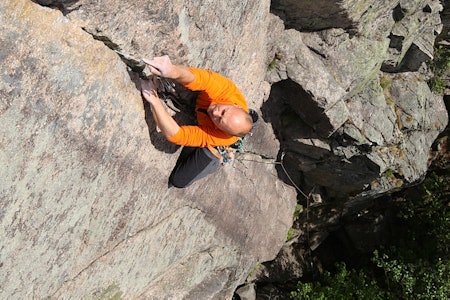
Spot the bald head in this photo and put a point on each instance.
(231, 119)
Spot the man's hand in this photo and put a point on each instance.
(149, 90)
(162, 66)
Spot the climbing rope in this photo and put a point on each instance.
(307, 198)
(289, 177)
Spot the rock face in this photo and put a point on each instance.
(85, 209)
(373, 137)
(359, 118)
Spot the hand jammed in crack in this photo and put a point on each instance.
(162, 66)
(149, 90)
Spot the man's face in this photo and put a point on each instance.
(225, 117)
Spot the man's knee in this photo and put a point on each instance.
(174, 181)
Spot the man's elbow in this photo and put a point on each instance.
(173, 137)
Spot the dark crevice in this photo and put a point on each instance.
(398, 13)
(317, 52)
(299, 123)
(411, 62)
(309, 17)
(427, 9)
(65, 6)
(304, 105)
(396, 42)
(135, 65)
(105, 40)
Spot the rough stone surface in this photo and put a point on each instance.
(358, 124)
(85, 208)
(417, 23)
(206, 34)
(346, 114)
(377, 53)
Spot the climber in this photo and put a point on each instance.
(221, 112)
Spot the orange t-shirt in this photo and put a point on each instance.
(214, 88)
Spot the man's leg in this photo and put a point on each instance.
(192, 165)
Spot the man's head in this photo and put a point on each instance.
(231, 119)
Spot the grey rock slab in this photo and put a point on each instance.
(85, 208)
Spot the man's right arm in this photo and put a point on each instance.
(165, 122)
(162, 66)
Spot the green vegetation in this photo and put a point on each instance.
(298, 210)
(290, 234)
(440, 66)
(255, 270)
(389, 173)
(437, 85)
(112, 292)
(415, 266)
(274, 63)
(385, 82)
(345, 284)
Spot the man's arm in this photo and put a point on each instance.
(162, 66)
(165, 122)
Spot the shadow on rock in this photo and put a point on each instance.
(183, 114)
(309, 158)
(287, 126)
(312, 16)
(65, 6)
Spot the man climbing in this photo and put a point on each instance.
(222, 117)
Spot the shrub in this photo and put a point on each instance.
(345, 284)
(440, 66)
(415, 266)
